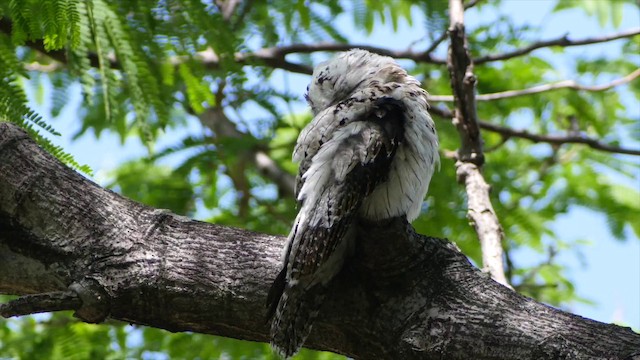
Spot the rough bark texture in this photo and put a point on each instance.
(403, 296)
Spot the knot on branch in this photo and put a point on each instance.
(466, 170)
(95, 303)
(469, 78)
(457, 30)
(432, 332)
(468, 156)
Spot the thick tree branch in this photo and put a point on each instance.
(565, 84)
(470, 155)
(402, 295)
(562, 41)
(574, 138)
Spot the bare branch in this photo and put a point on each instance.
(558, 139)
(563, 41)
(470, 155)
(551, 139)
(445, 34)
(275, 57)
(282, 51)
(565, 84)
(436, 43)
(285, 181)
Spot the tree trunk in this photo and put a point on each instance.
(402, 296)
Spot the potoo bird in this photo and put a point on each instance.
(369, 152)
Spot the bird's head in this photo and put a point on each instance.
(334, 80)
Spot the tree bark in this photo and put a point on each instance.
(402, 295)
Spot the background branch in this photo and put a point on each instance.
(562, 41)
(565, 84)
(558, 139)
(275, 57)
(551, 139)
(217, 121)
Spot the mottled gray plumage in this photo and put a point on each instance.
(369, 152)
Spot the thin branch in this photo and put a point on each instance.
(274, 57)
(470, 155)
(436, 43)
(565, 84)
(558, 139)
(573, 138)
(282, 51)
(563, 41)
(39, 303)
(443, 36)
(285, 181)
(44, 68)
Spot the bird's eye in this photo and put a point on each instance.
(306, 95)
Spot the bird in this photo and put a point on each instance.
(368, 153)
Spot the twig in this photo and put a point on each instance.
(39, 303)
(445, 33)
(565, 84)
(563, 41)
(471, 158)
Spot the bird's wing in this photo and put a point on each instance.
(343, 170)
(327, 124)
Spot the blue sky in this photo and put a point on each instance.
(610, 275)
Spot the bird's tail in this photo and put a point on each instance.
(291, 324)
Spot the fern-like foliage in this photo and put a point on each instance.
(96, 45)
(55, 26)
(14, 108)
